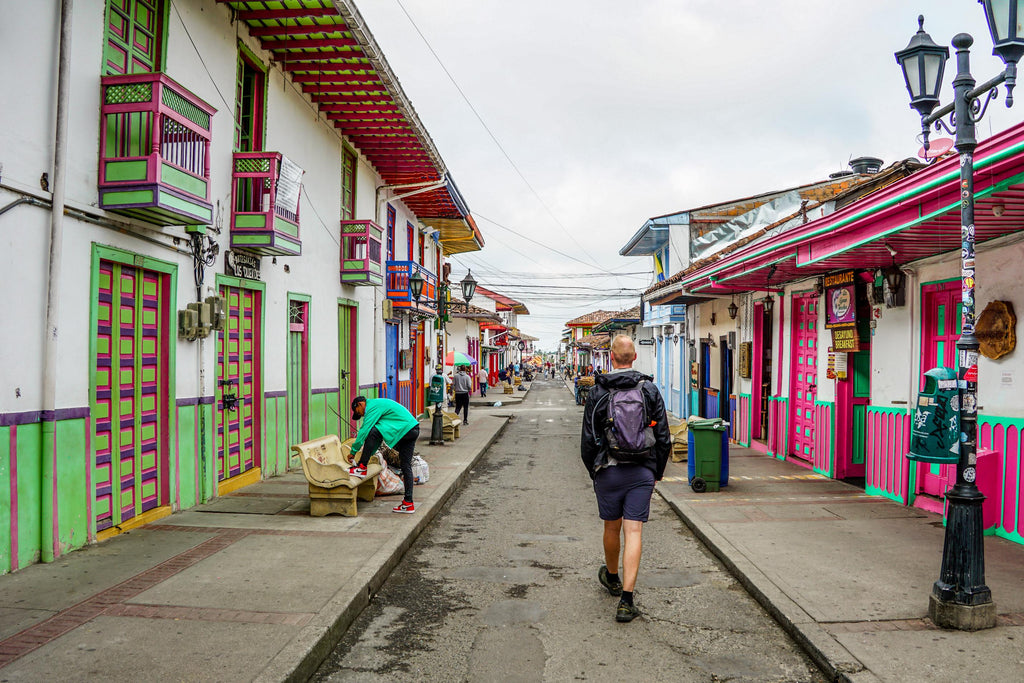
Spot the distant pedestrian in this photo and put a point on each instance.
(482, 378)
(625, 446)
(389, 422)
(462, 385)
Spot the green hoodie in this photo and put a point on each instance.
(390, 418)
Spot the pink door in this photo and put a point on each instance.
(803, 376)
(941, 329)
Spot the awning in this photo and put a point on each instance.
(327, 51)
(912, 219)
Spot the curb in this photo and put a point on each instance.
(827, 653)
(300, 658)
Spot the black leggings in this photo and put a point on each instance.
(462, 403)
(406, 447)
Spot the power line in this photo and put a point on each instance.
(493, 137)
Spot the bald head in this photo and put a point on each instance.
(623, 352)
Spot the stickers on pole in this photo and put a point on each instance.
(972, 374)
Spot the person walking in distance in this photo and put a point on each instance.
(462, 384)
(389, 422)
(625, 446)
(482, 378)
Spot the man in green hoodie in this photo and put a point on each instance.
(389, 422)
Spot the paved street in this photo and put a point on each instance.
(502, 586)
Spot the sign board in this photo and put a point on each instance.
(289, 183)
(744, 359)
(845, 339)
(242, 264)
(646, 342)
(840, 300)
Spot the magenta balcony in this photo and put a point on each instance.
(398, 273)
(264, 208)
(154, 150)
(360, 253)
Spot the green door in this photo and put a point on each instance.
(134, 36)
(239, 399)
(298, 372)
(130, 371)
(347, 382)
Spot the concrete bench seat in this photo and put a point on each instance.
(450, 421)
(325, 462)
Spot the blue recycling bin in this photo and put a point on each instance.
(708, 453)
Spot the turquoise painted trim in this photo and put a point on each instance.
(750, 419)
(831, 442)
(1017, 422)
(122, 256)
(871, 490)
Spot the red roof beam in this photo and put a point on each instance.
(296, 30)
(270, 14)
(359, 108)
(354, 64)
(327, 98)
(299, 43)
(336, 78)
(397, 116)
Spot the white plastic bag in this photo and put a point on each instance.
(420, 470)
(388, 482)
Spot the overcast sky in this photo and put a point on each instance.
(618, 111)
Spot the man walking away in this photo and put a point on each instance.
(625, 445)
(389, 422)
(462, 385)
(482, 378)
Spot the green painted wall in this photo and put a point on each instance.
(275, 436)
(5, 498)
(188, 453)
(72, 493)
(29, 476)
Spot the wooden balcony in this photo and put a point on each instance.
(264, 209)
(154, 150)
(360, 253)
(398, 273)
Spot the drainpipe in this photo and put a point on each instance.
(48, 454)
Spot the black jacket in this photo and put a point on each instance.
(593, 448)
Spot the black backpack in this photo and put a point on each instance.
(628, 430)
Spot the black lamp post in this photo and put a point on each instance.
(960, 598)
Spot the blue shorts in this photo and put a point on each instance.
(624, 492)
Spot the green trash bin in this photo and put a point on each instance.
(706, 439)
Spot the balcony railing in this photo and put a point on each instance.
(264, 216)
(398, 273)
(360, 253)
(154, 150)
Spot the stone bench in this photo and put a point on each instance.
(325, 462)
(450, 421)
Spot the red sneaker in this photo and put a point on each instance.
(405, 507)
(357, 471)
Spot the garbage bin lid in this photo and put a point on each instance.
(704, 422)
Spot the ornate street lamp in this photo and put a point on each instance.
(416, 285)
(468, 285)
(733, 310)
(960, 598)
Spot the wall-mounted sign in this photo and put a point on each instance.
(243, 265)
(744, 359)
(646, 342)
(840, 300)
(845, 339)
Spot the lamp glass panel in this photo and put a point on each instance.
(912, 73)
(932, 74)
(999, 19)
(416, 285)
(1019, 24)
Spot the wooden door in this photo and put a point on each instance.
(132, 393)
(298, 371)
(941, 317)
(347, 381)
(134, 36)
(803, 376)
(239, 397)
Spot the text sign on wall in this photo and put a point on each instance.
(840, 300)
(845, 339)
(241, 264)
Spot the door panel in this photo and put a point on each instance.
(942, 308)
(131, 376)
(134, 32)
(803, 376)
(347, 381)
(391, 360)
(298, 372)
(239, 381)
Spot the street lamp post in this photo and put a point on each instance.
(960, 598)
